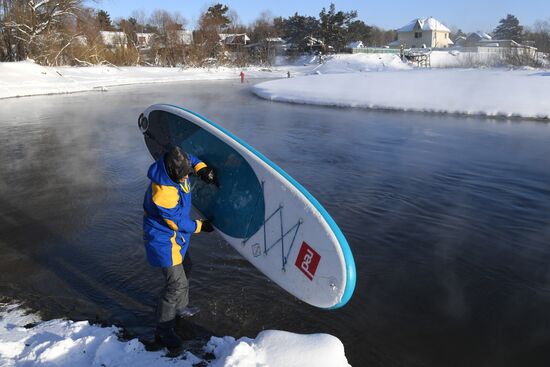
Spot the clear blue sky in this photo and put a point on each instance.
(469, 15)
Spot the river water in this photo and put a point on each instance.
(448, 219)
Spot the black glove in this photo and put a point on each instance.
(207, 175)
(206, 226)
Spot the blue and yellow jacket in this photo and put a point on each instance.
(167, 226)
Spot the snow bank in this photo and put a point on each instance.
(490, 92)
(25, 340)
(26, 78)
(455, 58)
(350, 63)
(345, 63)
(358, 80)
(278, 348)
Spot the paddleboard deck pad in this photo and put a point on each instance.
(268, 217)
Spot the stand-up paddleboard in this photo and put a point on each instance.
(260, 210)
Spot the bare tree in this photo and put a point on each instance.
(539, 35)
(37, 25)
(380, 37)
(139, 16)
(170, 47)
(262, 33)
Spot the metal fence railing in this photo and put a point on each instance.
(374, 50)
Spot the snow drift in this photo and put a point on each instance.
(27, 341)
(489, 92)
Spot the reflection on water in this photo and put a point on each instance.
(448, 219)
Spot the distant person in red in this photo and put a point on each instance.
(242, 76)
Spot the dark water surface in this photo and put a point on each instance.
(448, 219)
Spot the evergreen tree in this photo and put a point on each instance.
(216, 17)
(334, 26)
(459, 33)
(104, 20)
(211, 24)
(297, 27)
(358, 31)
(509, 29)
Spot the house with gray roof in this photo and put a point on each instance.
(476, 37)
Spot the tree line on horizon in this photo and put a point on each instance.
(65, 32)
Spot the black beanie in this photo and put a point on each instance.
(177, 164)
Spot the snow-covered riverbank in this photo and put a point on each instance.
(486, 92)
(343, 81)
(25, 340)
(18, 79)
(358, 80)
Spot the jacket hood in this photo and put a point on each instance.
(158, 174)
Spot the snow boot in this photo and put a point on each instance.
(166, 336)
(187, 312)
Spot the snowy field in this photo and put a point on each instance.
(27, 341)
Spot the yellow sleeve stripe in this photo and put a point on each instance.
(199, 226)
(199, 166)
(165, 196)
(171, 224)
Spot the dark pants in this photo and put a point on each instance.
(175, 294)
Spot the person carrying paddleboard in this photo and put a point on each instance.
(167, 229)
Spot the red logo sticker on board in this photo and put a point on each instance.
(307, 260)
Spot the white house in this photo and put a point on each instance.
(484, 43)
(423, 33)
(475, 37)
(114, 39)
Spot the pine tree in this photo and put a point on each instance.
(297, 27)
(509, 29)
(334, 26)
(459, 33)
(358, 31)
(207, 37)
(216, 16)
(104, 20)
